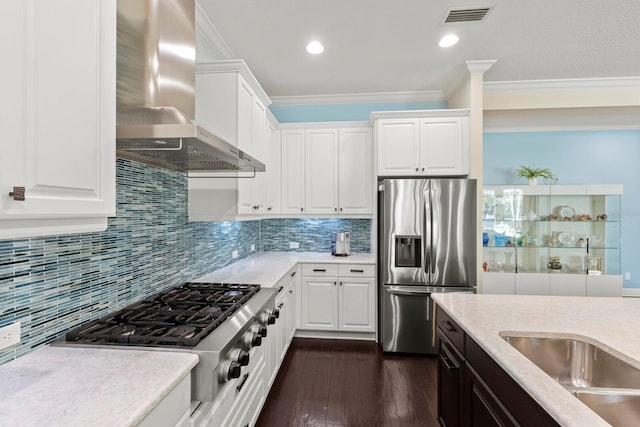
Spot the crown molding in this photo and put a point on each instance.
(360, 98)
(562, 119)
(210, 35)
(480, 66)
(559, 84)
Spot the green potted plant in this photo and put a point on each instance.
(532, 174)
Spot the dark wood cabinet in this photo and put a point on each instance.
(473, 390)
(450, 384)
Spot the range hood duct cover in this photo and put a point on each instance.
(155, 92)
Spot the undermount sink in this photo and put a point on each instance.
(602, 381)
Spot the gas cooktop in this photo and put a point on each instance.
(181, 316)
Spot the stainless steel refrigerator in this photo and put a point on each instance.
(426, 244)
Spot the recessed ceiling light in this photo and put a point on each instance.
(315, 47)
(448, 40)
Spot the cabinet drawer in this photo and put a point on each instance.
(357, 270)
(320, 270)
(450, 329)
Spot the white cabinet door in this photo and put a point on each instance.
(355, 176)
(321, 175)
(58, 116)
(444, 146)
(244, 120)
(499, 283)
(273, 170)
(568, 284)
(319, 299)
(356, 304)
(293, 158)
(398, 146)
(532, 284)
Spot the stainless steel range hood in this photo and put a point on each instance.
(156, 92)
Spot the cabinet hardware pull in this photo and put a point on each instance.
(334, 283)
(335, 209)
(447, 363)
(340, 283)
(422, 169)
(449, 326)
(18, 194)
(319, 270)
(301, 209)
(280, 289)
(290, 291)
(293, 274)
(416, 169)
(357, 271)
(244, 380)
(340, 209)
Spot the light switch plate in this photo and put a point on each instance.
(234, 254)
(253, 248)
(9, 335)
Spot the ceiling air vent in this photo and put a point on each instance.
(456, 16)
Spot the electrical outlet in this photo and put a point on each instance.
(294, 245)
(253, 248)
(9, 335)
(627, 275)
(234, 254)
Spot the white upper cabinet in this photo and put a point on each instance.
(431, 143)
(335, 175)
(231, 104)
(355, 171)
(293, 159)
(398, 146)
(58, 116)
(273, 171)
(321, 189)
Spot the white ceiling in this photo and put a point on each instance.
(374, 46)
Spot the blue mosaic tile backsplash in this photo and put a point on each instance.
(53, 284)
(314, 234)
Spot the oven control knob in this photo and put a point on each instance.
(256, 340)
(233, 371)
(276, 313)
(252, 338)
(229, 370)
(272, 319)
(240, 356)
(262, 331)
(243, 357)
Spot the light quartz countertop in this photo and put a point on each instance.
(267, 268)
(63, 386)
(607, 322)
(77, 386)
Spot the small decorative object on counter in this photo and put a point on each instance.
(601, 217)
(532, 216)
(554, 263)
(485, 240)
(531, 173)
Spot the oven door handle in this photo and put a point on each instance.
(242, 383)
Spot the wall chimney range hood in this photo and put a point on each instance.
(156, 92)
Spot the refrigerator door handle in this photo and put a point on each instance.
(417, 292)
(427, 230)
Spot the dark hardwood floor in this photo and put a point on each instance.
(351, 383)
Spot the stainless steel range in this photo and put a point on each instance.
(218, 322)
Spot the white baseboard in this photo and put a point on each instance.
(631, 292)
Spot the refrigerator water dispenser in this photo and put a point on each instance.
(408, 251)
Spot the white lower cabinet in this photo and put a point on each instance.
(173, 409)
(281, 333)
(552, 284)
(338, 297)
